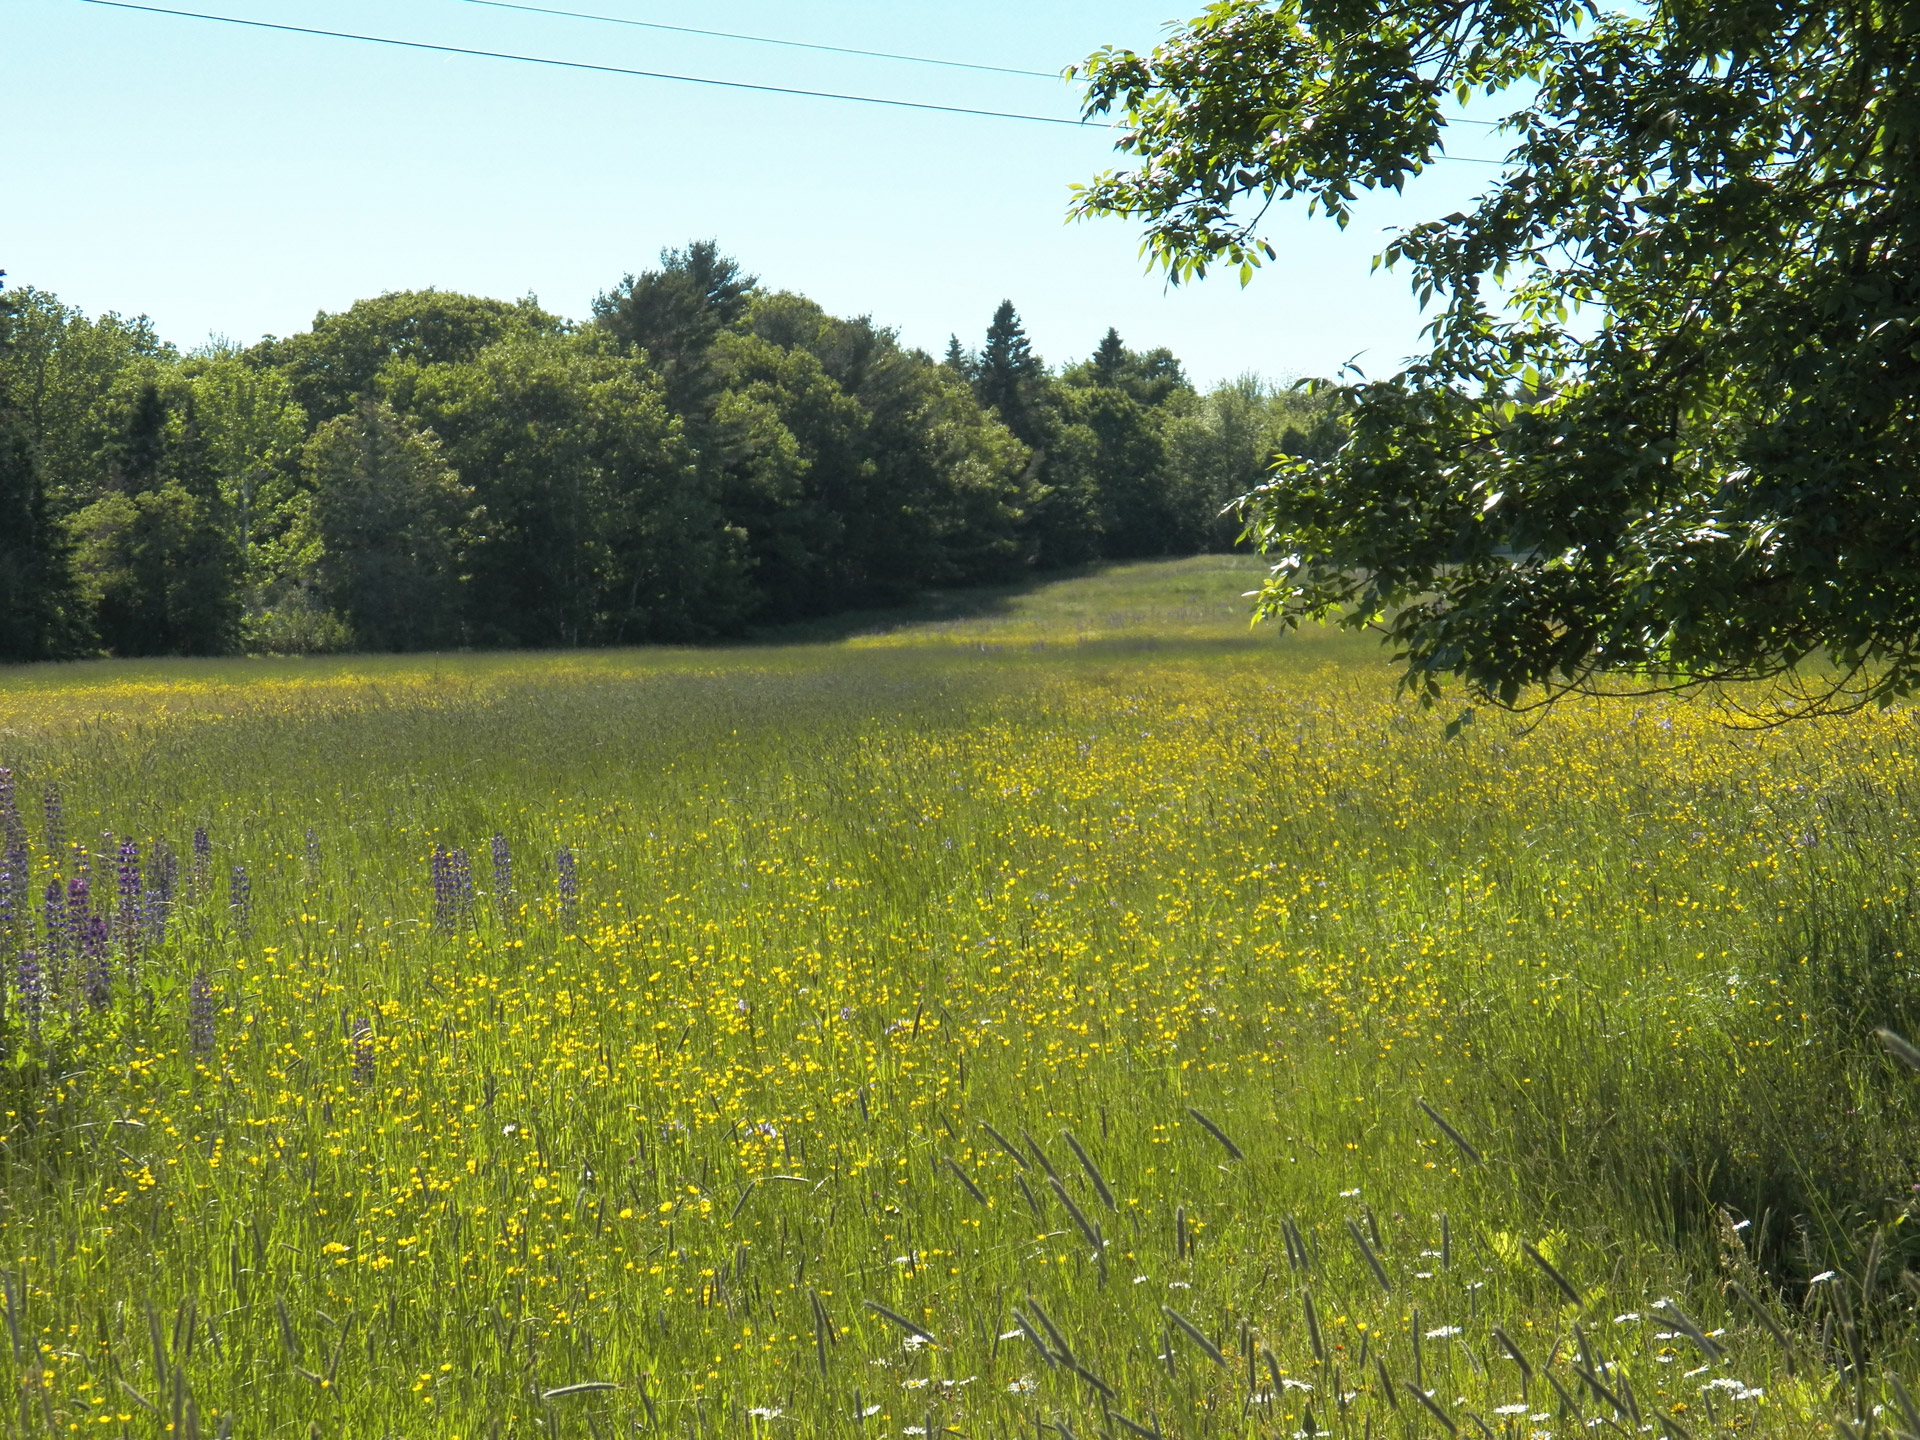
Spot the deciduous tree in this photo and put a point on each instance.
(1666, 430)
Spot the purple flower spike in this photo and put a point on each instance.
(53, 915)
(96, 978)
(440, 870)
(200, 878)
(32, 981)
(502, 867)
(460, 871)
(240, 901)
(127, 916)
(200, 1014)
(55, 814)
(569, 888)
(16, 862)
(361, 1050)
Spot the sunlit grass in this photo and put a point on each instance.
(1092, 861)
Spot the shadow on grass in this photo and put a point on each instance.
(932, 607)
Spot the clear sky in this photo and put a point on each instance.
(232, 182)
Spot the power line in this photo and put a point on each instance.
(922, 105)
(763, 39)
(596, 69)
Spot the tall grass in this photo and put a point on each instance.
(1080, 1013)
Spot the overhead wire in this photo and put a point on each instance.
(925, 105)
(600, 69)
(763, 39)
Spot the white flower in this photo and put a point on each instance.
(766, 1412)
(1139, 1279)
(1178, 1285)
(1009, 1334)
(914, 1342)
(1350, 1194)
(1445, 1332)
(1626, 1319)
(1020, 1386)
(869, 1412)
(1823, 1275)
(914, 1384)
(1288, 1383)
(914, 1430)
(1510, 1409)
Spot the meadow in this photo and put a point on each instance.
(1060, 1009)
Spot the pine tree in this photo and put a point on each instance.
(675, 314)
(1009, 373)
(1110, 360)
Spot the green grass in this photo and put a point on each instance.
(1090, 859)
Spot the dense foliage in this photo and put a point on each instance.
(430, 469)
(1666, 430)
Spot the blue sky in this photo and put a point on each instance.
(233, 182)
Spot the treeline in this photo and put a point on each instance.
(431, 469)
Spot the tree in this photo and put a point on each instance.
(958, 359)
(389, 515)
(253, 430)
(1223, 447)
(155, 554)
(331, 366)
(1008, 375)
(598, 529)
(899, 478)
(61, 371)
(675, 313)
(1665, 431)
(38, 619)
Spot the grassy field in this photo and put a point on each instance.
(1039, 1012)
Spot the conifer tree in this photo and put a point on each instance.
(1009, 373)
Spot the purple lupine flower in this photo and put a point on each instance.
(96, 981)
(8, 913)
(79, 911)
(361, 1050)
(32, 982)
(502, 867)
(200, 877)
(158, 901)
(460, 874)
(240, 901)
(127, 916)
(439, 868)
(19, 864)
(55, 839)
(569, 887)
(200, 1014)
(15, 861)
(53, 915)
